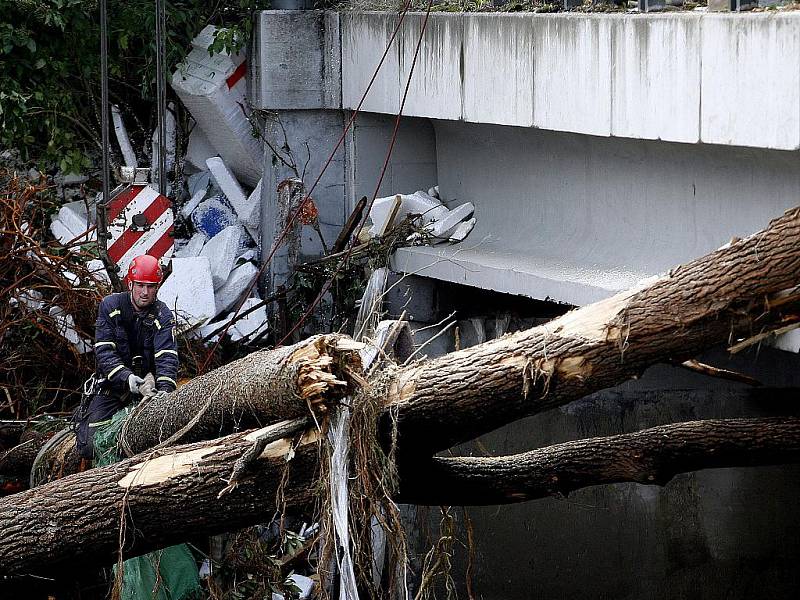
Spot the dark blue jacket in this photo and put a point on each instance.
(127, 341)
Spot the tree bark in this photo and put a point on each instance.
(166, 497)
(261, 388)
(734, 292)
(652, 456)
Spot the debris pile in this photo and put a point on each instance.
(438, 223)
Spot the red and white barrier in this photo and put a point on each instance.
(140, 221)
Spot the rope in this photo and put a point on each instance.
(161, 97)
(301, 206)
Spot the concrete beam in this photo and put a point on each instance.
(730, 79)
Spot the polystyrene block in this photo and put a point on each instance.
(213, 215)
(238, 281)
(193, 247)
(199, 149)
(251, 325)
(189, 291)
(221, 251)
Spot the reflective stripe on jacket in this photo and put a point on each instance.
(124, 336)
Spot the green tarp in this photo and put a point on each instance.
(168, 574)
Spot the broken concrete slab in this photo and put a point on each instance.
(237, 283)
(189, 292)
(221, 251)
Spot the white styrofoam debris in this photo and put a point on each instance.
(128, 155)
(76, 217)
(226, 181)
(209, 328)
(418, 203)
(434, 192)
(205, 38)
(98, 271)
(213, 215)
(443, 227)
(252, 325)
(221, 251)
(238, 281)
(193, 247)
(461, 231)
(198, 181)
(188, 291)
(65, 326)
(170, 128)
(30, 298)
(71, 277)
(249, 212)
(250, 254)
(61, 232)
(199, 149)
(193, 202)
(789, 341)
(213, 89)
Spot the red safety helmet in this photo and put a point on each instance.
(145, 269)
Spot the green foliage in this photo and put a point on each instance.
(50, 67)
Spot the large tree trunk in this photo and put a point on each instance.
(736, 291)
(652, 456)
(165, 498)
(733, 292)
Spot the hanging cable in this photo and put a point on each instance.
(101, 215)
(161, 97)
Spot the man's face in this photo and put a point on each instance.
(142, 294)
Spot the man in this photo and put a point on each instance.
(134, 335)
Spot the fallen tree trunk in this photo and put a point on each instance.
(652, 456)
(737, 291)
(733, 292)
(261, 388)
(165, 498)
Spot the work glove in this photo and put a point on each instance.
(148, 388)
(134, 381)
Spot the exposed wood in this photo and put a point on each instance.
(173, 494)
(727, 294)
(261, 388)
(704, 369)
(350, 226)
(652, 456)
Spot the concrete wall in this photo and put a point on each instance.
(684, 77)
(412, 165)
(576, 218)
(311, 136)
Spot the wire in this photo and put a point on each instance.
(392, 141)
(301, 206)
(161, 97)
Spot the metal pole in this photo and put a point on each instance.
(100, 207)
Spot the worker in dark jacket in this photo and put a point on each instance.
(134, 335)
